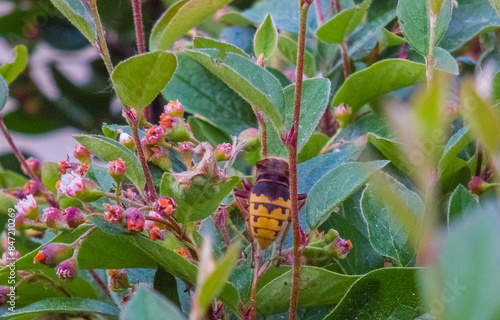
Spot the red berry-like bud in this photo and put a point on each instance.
(165, 206)
(54, 253)
(117, 169)
(135, 219)
(74, 217)
(223, 152)
(34, 165)
(82, 154)
(477, 185)
(68, 269)
(28, 207)
(118, 280)
(154, 135)
(343, 115)
(53, 218)
(113, 214)
(127, 140)
(31, 187)
(174, 109)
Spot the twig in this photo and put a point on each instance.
(100, 283)
(479, 163)
(139, 29)
(43, 189)
(125, 200)
(101, 37)
(429, 59)
(253, 291)
(344, 52)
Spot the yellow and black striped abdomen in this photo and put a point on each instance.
(269, 210)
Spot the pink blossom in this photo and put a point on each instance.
(28, 207)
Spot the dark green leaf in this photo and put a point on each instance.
(148, 305)
(166, 284)
(265, 38)
(79, 16)
(288, 50)
(10, 71)
(138, 80)
(461, 203)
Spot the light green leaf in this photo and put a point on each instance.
(200, 199)
(50, 175)
(461, 203)
(108, 150)
(390, 149)
(148, 305)
(342, 24)
(10, 71)
(461, 139)
(414, 22)
(179, 19)
(496, 5)
(288, 50)
(384, 294)
(235, 19)
(444, 61)
(138, 80)
(389, 39)
(4, 92)
(224, 48)
(266, 38)
(335, 187)
(436, 5)
(256, 85)
(313, 147)
(378, 79)
(76, 12)
(318, 287)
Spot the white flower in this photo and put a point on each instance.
(71, 184)
(28, 207)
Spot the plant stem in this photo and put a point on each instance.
(43, 189)
(101, 37)
(253, 292)
(124, 200)
(261, 120)
(292, 154)
(344, 52)
(100, 283)
(139, 29)
(429, 59)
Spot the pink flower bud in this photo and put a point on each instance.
(149, 225)
(251, 138)
(154, 135)
(67, 167)
(34, 165)
(165, 121)
(53, 218)
(127, 140)
(113, 214)
(68, 269)
(165, 206)
(31, 187)
(117, 280)
(343, 115)
(74, 217)
(156, 233)
(186, 152)
(223, 152)
(82, 154)
(174, 109)
(54, 253)
(28, 207)
(4, 292)
(135, 219)
(477, 185)
(21, 223)
(117, 169)
(341, 247)
(73, 185)
(161, 158)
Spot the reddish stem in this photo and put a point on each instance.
(253, 292)
(100, 283)
(43, 189)
(139, 29)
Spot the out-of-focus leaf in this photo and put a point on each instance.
(378, 79)
(50, 175)
(335, 187)
(138, 80)
(148, 305)
(108, 150)
(235, 19)
(266, 38)
(342, 24)
(179, 19)
(457, 143)
(224, 48)
(4, 92)
(79, 16)
(461, 203)
(288, 50)
(10, 71)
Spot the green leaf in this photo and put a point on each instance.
(203, 93)
(199, 199)
(216, 281)
(384, 294)
(64, 305)
(10, 71)
(436, 5)
(235, 19)
(224, 48)
(101, 176)
(50, 175)
(108, 150)
(313, 147)
(342, 24)
(389, 39)
(148, 305)
(444, 61)
(461, 139)
(166, 284)
(378, 79)
(266, 38)
(204, 131)
(179, 19)
(496, 5)
(414, 22)
(4, 92)
(78, 15)
(386, 233)
(256, 85)
(138, 80)
(315, 95)
(335, 187)
(288, 50)
(318, 287)
(390, 149)
(461, 203)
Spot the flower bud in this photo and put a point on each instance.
(118, 280)
(127, 140)
(251, 138)
(183, 253)
(165, 206)
(67, 167)
(174, 109)
(34, 165)
(186, 152)
(343, 115)
(31, 187)
(21, 223)
(28, 207)
(156, 233)
(35, 234)
(82, 154)
(223, 152)
(68, 269)
(341, 247)
(54, 253)
(165, 121)
(74, 217)
(149, 225)
(154, 135)
(161, 158)
(53, 218)
(477, 185)
(113, 214)
(135, 219)
(73, 185)
(117, 169)
(4, 292)
(179, 132)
